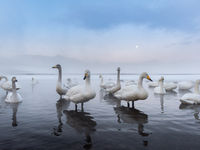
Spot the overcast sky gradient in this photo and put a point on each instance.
(135, 32)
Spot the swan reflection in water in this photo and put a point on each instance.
(14, 107)
(161, 96)
(133, 116)
(111, 100)
(61, 105)
(196, 109)
(82, 122)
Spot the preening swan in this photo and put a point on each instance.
(133, 93)
(13, 97)
(59, 88)
(160, 89)
(192, 98)
(185, 85)
(81, 93)
(7, 85)
(117, 86)
(105, 85)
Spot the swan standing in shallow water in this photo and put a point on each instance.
(59, 88)
(160, 89)
(105, 85)
(133, 93)
(192, 98)
(80, 93)
(13, 97)
(7, 85)
(185, 85)
(117, 86)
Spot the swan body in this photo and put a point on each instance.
(192, 98)
(160, 89)
(7, 85)
(170, 86)
(153, 84)
(13, 97)
(81, 93)
(133, 92)
(59, 88)
(105, 85)
(116, 87)
(185, 85)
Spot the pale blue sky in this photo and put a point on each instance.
(116, 31)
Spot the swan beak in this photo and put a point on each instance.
(84, 77)
(54, 67)
(15, 80)
(148, 77)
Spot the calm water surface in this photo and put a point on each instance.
(42, 121)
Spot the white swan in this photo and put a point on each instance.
(133, 93)
(117, 86)
(153, 84)
(70, 83)
(192, 98)
(13, 97)
(7, 85)
(185, 85)
(34, 81)
(59, 88)
(80, 93)
(160, 89)
(170, 86)
(105, 85)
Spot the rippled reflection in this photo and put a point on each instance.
(61, 105)
(196, 109)
(82, 122)
(111, 100)
(133, 116)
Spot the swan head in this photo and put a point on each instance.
(14, 79)
(145, 75)
(58, 66)
(161, 78)
(87, 74)
(197, 81)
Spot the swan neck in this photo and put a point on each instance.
(118, 77)
(196, 88)
(87, 81)
(59, 75)
(4, 77)
(13, 87)
(140, 82)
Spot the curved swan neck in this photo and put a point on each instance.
(196, 88)
(4, 77)
(13, 87)
(140, 81)
(161, 85)
(118, 77)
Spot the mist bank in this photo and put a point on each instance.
(37, 64)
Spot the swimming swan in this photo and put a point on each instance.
(105, 85)
(13, 97)
(117, 86)
(133, 93)
(59, 88)
(7, 85)
(80, 93)
(160, 89)
(192, 98)
(185, 85)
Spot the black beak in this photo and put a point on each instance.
(150, 80)
(15, 80)
(84, 78)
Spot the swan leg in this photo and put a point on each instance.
(81, 106)
(133, 104)
(128, 105)
(75, 107)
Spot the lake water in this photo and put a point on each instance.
(42, 121)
